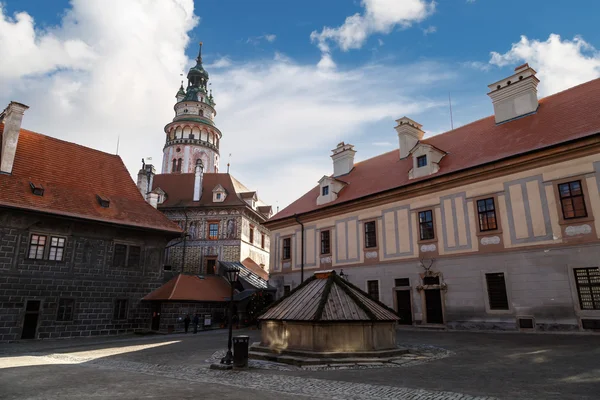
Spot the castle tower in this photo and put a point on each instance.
(192, 135)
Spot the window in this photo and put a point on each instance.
(426, 225)
(179, 160)
(325, 242)
(37, 245)
(487, 215)
(174, 167)
(571, 200)
(496, 287)
(588, 287)
(57, 249)
(211, 263)
(66, 308)
(286, 289)
(287, 248)
(402, 282)
(120, 311)
(370, 234)
(373, 289)
(251, 234)
(431, 280)
(119, 255)
(133, 258)
(421, 161)
(218, 196)
(325, 190)
(213, 231)
(37, 190)
(262, 240)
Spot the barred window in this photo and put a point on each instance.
(588, 287)
(325, 242)
(370, 234)
(287, 248)
(57, 249)
(66, 309)
(120, 311)
(37, 246)
(426, 225)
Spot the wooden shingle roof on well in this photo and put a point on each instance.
(562, 117)
(328, 297)
(72, 176)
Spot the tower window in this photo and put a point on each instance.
(174, 168)
(201, 113)
(179, 160)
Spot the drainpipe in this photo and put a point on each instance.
(301, 250)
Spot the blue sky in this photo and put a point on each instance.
(110, 69)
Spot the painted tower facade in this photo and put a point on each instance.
(192, 135)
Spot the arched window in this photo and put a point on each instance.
(201, 112)
(174, 168)
(179, 165)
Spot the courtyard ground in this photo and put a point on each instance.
(481, 365)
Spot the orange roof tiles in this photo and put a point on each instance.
(565, 116)
(192, 288)
(72, 176)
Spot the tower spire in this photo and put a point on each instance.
(199, 59)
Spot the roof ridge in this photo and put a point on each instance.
(175, 286)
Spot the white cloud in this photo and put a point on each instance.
(379, 16)
(279, 119)
(255, 40)
(382, 144)
(429, 30)
(380, 42)
(477, 65)
(560, 63)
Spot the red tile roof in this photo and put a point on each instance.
(192, 288)
(254, 267)
(568, 115)
(72, 176)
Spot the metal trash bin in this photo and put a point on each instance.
(240, 351)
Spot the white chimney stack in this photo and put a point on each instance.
(343, 159)
(409, 134)
(199, 171)
(145, 179)
(516, 95)
(12, 117)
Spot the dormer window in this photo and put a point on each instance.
(218, 196)
(426, 160)
(37, 190)
(421, 161)
(328, 189)
(104, 202)
(325, 190)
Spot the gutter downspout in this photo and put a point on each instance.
(301, 250)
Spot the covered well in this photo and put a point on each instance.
(328, 314)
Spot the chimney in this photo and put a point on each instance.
(516, 95)
(409, 134)
(343, 159)
(12, 117)
(199, 171)
(153, 199)
(145, 179)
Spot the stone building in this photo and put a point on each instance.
(79, 246)
(491, 225)
(223, 219)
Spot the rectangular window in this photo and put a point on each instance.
(588, 287)
(487, 214)
(133, 258)
(402, 282)
(119, 255)
(496, 287)
(251, 235)
(325, 190)
(286, 289)
(325, 242)
(571, 200)
(218, 196)
(287, 248)
(262, 240)
(37, 246)
(120, 311)
(66, 308)
(370, 234)
(373, 289)
(57, 249)
(421, 161)
(213, 231)
(426, 225)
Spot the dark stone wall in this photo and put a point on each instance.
(172, 311)
(86, 275)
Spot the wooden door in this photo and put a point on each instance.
(433, 303)
(404, 307)
(32, 311)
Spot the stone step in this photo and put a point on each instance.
(308, 361)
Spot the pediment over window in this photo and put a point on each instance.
(426, 159)
(219, 194)
(328, 189)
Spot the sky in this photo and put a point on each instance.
(290, 79)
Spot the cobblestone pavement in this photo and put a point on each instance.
(477, 366)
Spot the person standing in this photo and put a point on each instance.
(196, 322)
(186, 322)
